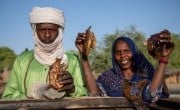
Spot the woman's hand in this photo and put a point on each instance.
(79, 41)
(166, 52)
(85, 42)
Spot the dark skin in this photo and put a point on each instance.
(47, 33)
(123, 56)
(66, 80)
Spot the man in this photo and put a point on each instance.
(30, 76)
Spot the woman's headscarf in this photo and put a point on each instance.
(47, 53)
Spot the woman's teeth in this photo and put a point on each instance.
(124, 62)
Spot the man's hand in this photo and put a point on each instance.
(66, 80)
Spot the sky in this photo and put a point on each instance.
(105, 17)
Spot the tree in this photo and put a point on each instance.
(7, 57)
(174, 61)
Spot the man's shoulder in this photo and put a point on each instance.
(71, 54)
(26, 54)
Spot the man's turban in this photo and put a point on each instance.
(47, 15)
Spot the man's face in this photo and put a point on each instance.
(47, 32)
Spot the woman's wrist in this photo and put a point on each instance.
(84, 57)
(163, 60)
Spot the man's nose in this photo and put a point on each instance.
(47, 34)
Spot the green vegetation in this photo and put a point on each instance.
(7, 57)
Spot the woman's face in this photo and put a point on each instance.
(123, 55)
(47, 32)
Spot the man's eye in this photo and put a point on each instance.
(41, 30)
(49, 30)
(53, 30)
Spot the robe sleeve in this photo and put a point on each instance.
(12, 89)
(75, 70)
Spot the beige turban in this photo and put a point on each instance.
(47, 15)
(47, 53)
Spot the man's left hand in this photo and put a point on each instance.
(66, 80)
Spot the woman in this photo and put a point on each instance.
(131, 76)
